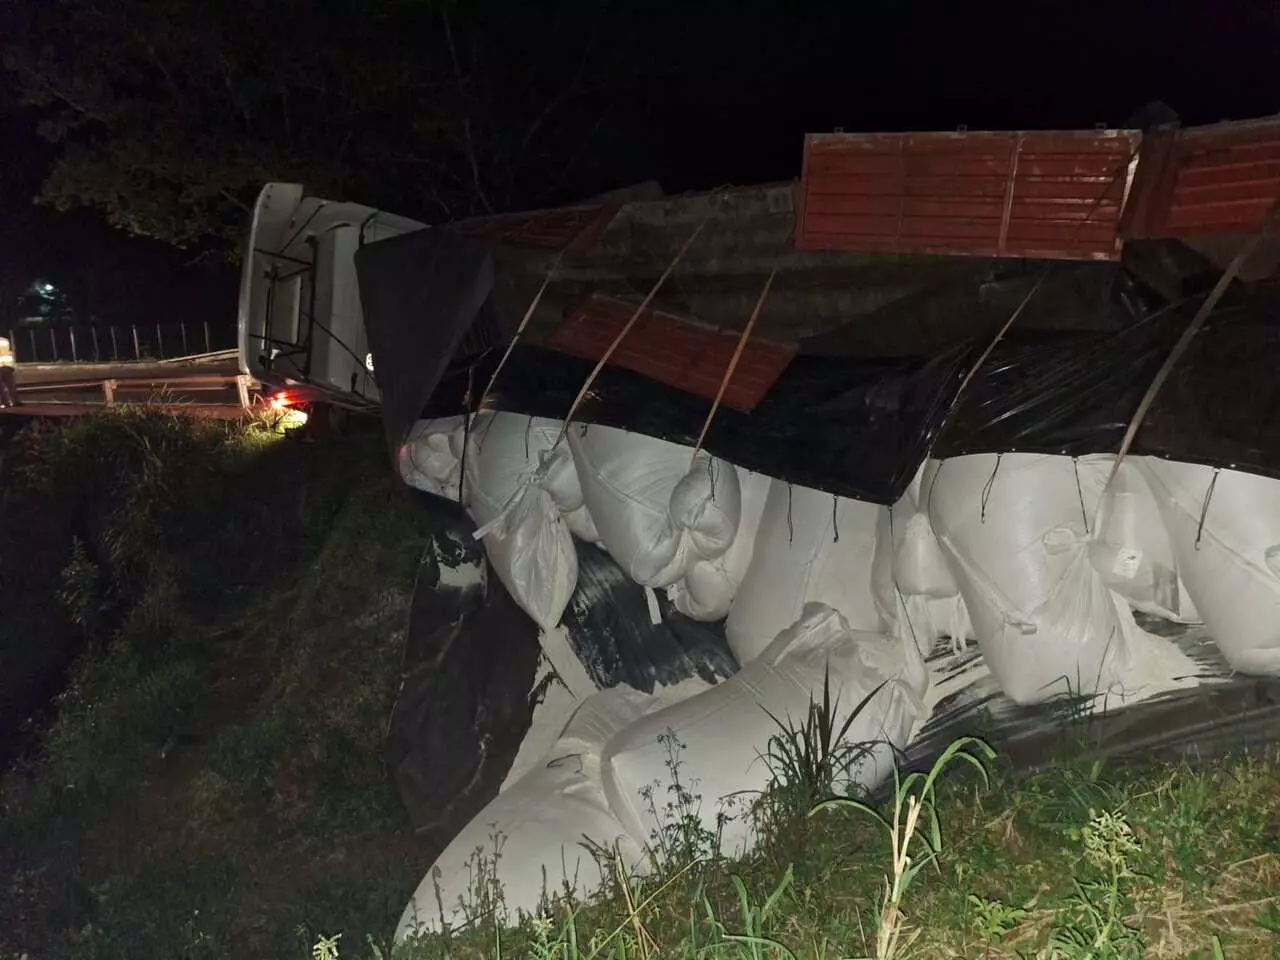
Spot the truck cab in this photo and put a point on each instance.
(301, 330)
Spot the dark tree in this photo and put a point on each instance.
(168, 115)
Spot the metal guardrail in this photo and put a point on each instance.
(135, 343)
(227, 392)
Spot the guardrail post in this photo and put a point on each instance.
(97, 357)
(35, 352)
(185, 351)
(137, 350)
(159, 342)
(242, 388)
(207, 348)
(53, 340)
(75, 357)
(109, 391)
(115, 346)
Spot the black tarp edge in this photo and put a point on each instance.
(861, 427)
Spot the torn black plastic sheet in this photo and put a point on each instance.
(857, 428)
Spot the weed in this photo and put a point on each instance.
(1269, 919)
(813, 759)
(753, 939)
(993, 919)
(913, 800)
(83, 594)
(680, 837)
(1095, 924)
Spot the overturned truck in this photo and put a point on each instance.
(701, 453)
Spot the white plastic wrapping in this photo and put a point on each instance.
(1014, 529)
(541, 822)
(1230, 564)
(707, 590)
(723, 733)
(430, 459)
(656, 513)
(813, 547)
(518, 489)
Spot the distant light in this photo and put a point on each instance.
(46, 289)
(368, 362)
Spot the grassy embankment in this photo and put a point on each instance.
(212, 783)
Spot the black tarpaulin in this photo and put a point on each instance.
(1221, 405)
(1076, 394)
(861, 427)
(419, 293)
(857, 428)
(1070, 394)
(471, 655)
(610, 630)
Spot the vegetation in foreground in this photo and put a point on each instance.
(967, 859)
(212, 785)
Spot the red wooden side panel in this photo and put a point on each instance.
(541, 229)
(1225, 179)
(673, 350)
(1030, 194)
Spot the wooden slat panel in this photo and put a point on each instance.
(1054, 194)
(673, 351)
(1220, 179)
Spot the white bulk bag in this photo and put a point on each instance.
(1129, 545)
(813, 547)
(708, 589)
(542, 822)
(656, 512)
(518, 488)
(920, 568)
(1014, 529)
(930, 603)
(1231, 565)
(513, 447)
(566, 685)
(722, 734)
(430, 459)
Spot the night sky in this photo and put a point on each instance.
(753, 78)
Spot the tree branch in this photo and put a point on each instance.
(468, 138)
(573, 89)
(228, 196)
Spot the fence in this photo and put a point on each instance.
(117, 344)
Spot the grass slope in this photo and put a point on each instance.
(212, 784)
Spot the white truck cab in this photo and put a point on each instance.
(300, 326)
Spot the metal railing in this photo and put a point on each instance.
(135, 343)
